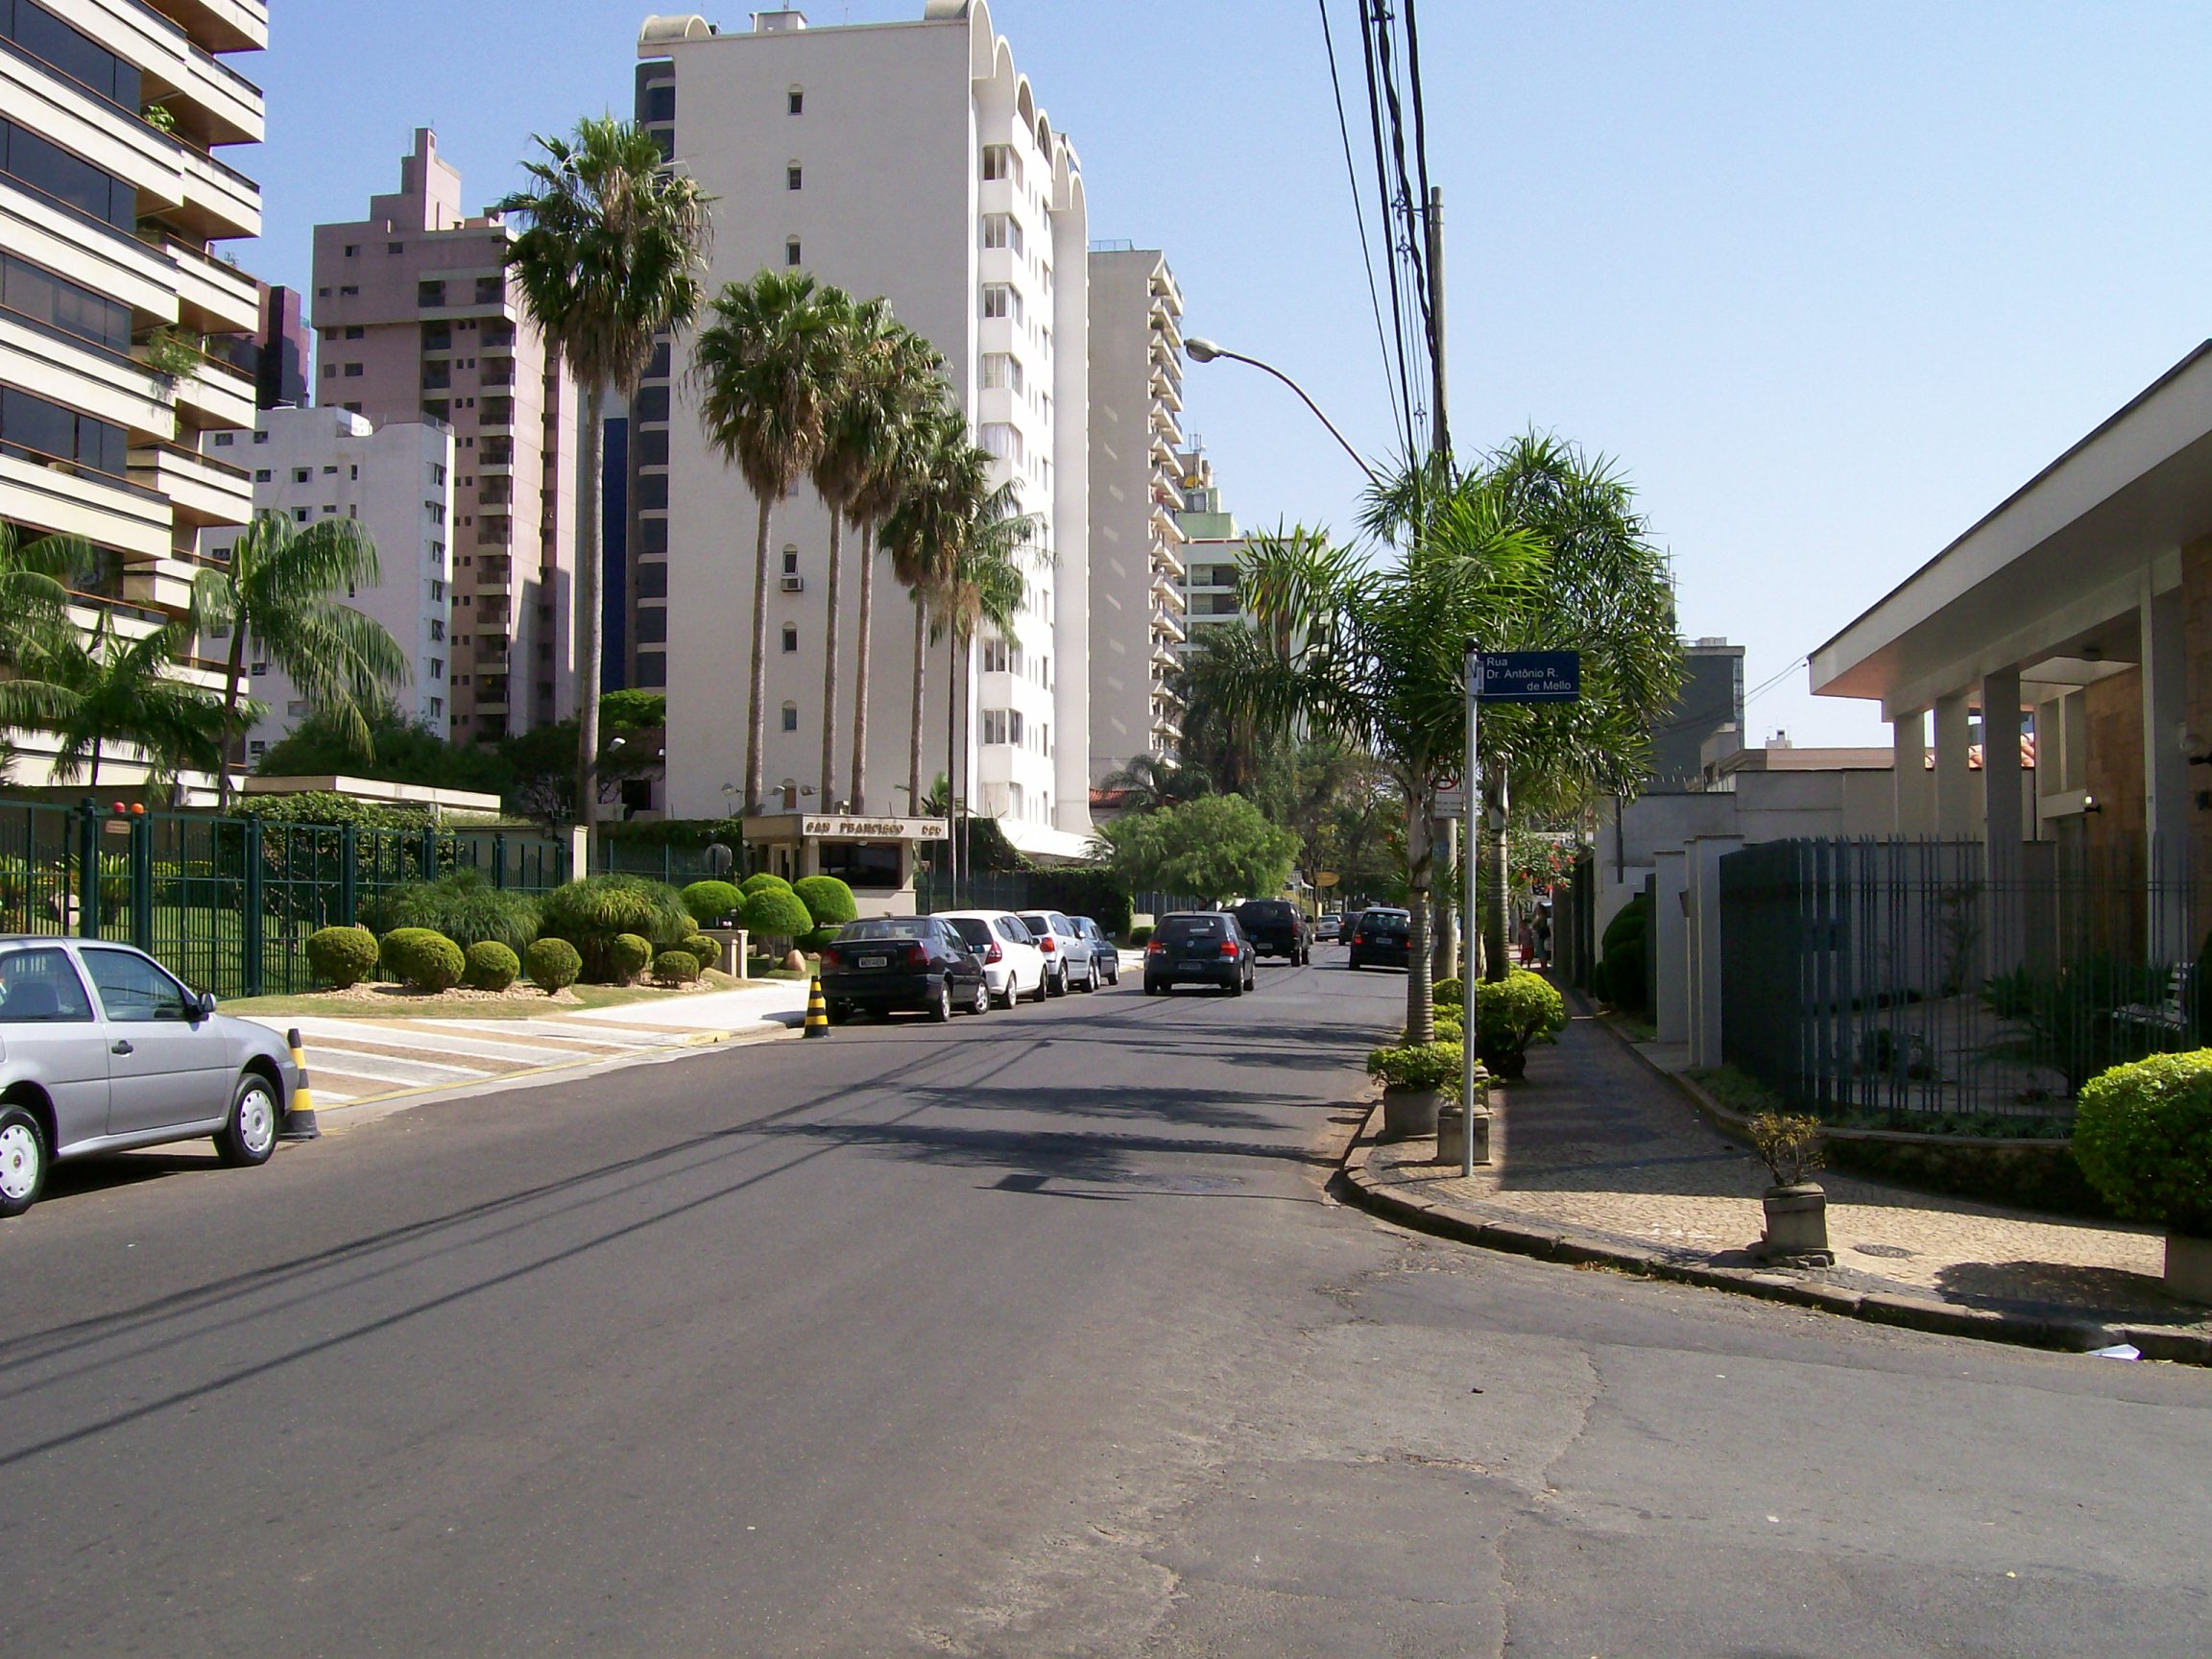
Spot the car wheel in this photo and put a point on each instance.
(1058, 985)
(1010, 996)
(982, 1002)
(22, 1160)
(941, 1010)
(1236, 985)
(251, 1133)
(836, 1013)
(1114, 975)
(1043, 987)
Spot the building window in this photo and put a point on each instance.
(300, 475)
(355, 331)
(353, 370)
(661, 100)
(1001, 371)
(1002, 301)
(653, 581)
(791, 251)
(429, 293)
(437, 628)
(394, 248)
(791, 176)
(790, 716)
(37, 292)
(261, 475)
(1000, 162)
(652, 669)
(1002, 230)
(491, 290)
(346, 290)
(1002, 441)
(790, 637)
(352, 249)
(790, 561)
(795, 101)
(653, 625)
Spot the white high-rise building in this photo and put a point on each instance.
(1137, 570)
(911, 161)
(396, 481)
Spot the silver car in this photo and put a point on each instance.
(102, 1048)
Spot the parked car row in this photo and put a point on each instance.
(965, 960)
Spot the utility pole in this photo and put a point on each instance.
(1440, 428)
(1453, 915)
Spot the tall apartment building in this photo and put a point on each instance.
(908, 160)
(396, 481)
(417, 319)
(1213, 543)
(120, 418)
(1137, 571)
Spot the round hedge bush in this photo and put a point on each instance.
(423, 961)
(343, 955)
(712, 901)
(776, 913)
(2143, 1135)
(761, 882)
(553, 964)
(704, 947)
(828, 900)
(491, 966)
(1451, 993)
(629, 956)
(675, 967)
(1512, 1013)
(591, 914)
(1140, 937)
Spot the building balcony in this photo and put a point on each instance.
(220, 25)
(215, 397)
(1163, 525)
(1164, 425)
(88, 251)
(1166, 623)
(1166, 394)
(213, 103)
(202, 491)
(1166, 561)
(48, 495)
(215, 296)
(160, 584)
(42, 360)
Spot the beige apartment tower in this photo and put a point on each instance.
(120, 420)
(417, 319)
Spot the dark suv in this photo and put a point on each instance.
(1203, 945)
(1382, 939)
(1277, 927)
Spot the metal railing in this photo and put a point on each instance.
(1928, 985)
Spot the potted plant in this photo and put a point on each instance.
(1415, 1080)
(1796, 1208)
(2143, 1136)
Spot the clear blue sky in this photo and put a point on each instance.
(1829, 282)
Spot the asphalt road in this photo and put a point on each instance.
(1037, 1335)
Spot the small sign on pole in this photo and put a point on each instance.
(1530, 676)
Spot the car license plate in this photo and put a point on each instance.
(874, 961)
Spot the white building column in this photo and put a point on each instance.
(2001, 761)
(1701, 869)
(2166, 774)
(1670, 945)
(1915, 783)
(1956, 816)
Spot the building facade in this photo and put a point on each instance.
(1137, 567)
(417, 319)
(906, 160)
(1213, 546)
(397, 482)
(122, 420)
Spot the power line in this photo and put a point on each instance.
(1359, 213)
(1369, 61)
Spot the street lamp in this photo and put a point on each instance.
(1203, 351)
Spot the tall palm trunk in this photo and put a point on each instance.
(1496, 965)
(756, 695)
(592, 647)
(862, 670)
(952, 819)
(1420, 869)
(829, 796)
(913, 729)
(233, 676)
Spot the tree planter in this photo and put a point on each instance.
(2189, 1266)
(1796, 1226)
(1410, 1113)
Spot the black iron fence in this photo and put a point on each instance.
(228, 903)
(1928, 983)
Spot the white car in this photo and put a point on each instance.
(1013, 967)
(1067, 957)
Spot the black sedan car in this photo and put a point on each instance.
(1105, 954)
(1382, 938)
(915, 964)
(1206, 945)
(1277, 927)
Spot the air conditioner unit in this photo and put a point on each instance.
(794, 584)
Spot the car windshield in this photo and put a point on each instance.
(974, 929)
(885, 927)
(1385, 922)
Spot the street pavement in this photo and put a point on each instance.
(1033, 1335)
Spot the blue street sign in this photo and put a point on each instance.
(1530, 677)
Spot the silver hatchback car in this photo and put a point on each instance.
(102, 1048)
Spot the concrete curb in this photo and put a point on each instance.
(1423, 1213)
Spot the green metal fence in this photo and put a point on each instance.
(228, 903)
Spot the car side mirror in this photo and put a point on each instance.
(205, 1008)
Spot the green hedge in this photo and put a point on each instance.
(828, 900)
(1512, 1013)
(675, 967)
(1420, 1066)
(464, 906)
(343, 955)
(591, 914)
(712, 902)
(629, 956)
(1623, 953)
(553, 964)
(2143, 1135)
(489, 966)
(423, 961)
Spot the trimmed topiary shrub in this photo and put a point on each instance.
(553, 964)
(1421, 1066)
(423, 961)
(711, 902)
(828, 900)
(1138, 937)
(675, 967)
(491, 966)
(1451, 993)
(752, 884)
(1518, 1010)
(343, 955)
(1621, 956)
(2143, 1135)
(704, 947)
(629, 956)
(591, 914)
(776, 913)
(464, 906)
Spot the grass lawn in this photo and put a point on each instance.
(525, 1003)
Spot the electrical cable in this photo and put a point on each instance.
(1382, 187)
(1358, 212)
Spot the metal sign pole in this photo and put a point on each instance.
(1471, 929)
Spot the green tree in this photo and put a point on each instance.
(611, 255)
(36, 577)
(949, 478)
(1152, 783)
(984, 585)
(1217, 847)
(109, 691)
(276, 590)
(768, 366)
(400, 750)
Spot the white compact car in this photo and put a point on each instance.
(1067, 959)
(1013, 967)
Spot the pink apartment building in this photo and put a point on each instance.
(417, 318)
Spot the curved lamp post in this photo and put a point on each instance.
(1204, 351)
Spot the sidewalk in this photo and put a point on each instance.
(1598, 1157)
(358, 1062)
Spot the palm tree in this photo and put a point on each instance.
(108, 692)
(913, 388)
(949, 481)
(610, 257)
(277, 589)
(36, 577)
(853, 439)
(767, 367)
(1152, 781)
(982, 584)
